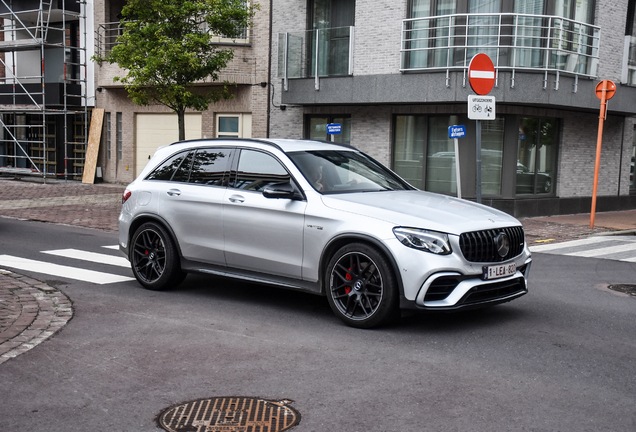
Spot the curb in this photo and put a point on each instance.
(30, 312)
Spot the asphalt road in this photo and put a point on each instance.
(561, 358)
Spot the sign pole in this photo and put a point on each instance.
(456, 132)
(457, 173)
(481, 76)
(604, 91)
(478, 153)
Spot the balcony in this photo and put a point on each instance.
(514, 42)
(107, 33)
(315, 53)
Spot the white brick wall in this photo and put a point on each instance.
(611, 17)
(378, 36)
(577, 156)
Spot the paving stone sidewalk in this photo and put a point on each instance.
(30, 313)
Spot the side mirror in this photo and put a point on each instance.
(281, 190)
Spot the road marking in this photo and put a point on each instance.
(61, 271)
(90, 256)
(605, 251)
(569, 244)
(113, 247)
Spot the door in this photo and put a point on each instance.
(262, 234)
(155, 130)
(192, 203)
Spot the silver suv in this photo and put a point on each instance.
(318, 217)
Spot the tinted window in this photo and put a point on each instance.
(209, 166)
(166, 170)
(256, 170)
(183, 172)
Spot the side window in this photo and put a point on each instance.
(166, 170)
(256, 170)
(182, 173)
(209, 166)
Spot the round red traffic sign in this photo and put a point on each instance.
(481, 74)
(606, 86)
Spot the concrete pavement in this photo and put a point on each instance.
(31, 311)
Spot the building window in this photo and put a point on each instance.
(629, 58)
(316, 128)
(119, 136)
(418, 136)
(536, 155)
(333, 20)
(556, 35)
(108, 137)
(441, 175)
(408, 154)
(234, 126)
(632, 182)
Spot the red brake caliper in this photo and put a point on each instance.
(349, 278)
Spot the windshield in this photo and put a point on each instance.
(340, 171)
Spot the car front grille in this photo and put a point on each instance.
(480, 246)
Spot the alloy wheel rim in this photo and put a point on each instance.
(149, 254)
(356, 286)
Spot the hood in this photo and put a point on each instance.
(419, 209)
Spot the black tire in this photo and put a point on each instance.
(361, 287)
(154, 258)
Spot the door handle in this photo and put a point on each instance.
(237, 199)
(174, 192)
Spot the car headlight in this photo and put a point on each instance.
(425, 240)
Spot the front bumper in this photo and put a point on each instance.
(446, 291)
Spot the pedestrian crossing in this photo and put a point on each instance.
(618, 248)
(76, 269)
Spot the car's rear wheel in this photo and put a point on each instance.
(361, 287)
(154, 258)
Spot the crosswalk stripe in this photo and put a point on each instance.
(569, 244)
(605, 251)
(90, 256)
(60, 270)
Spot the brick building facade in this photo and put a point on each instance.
(132, 132)
(406, 83)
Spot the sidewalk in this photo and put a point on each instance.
(31, 311)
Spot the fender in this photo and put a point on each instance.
(344, 238)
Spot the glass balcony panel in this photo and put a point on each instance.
(511, 40)
(333, 57)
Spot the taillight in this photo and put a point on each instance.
(125, 196)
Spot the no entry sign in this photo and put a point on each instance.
(481, 74)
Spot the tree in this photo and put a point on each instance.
(167, 47)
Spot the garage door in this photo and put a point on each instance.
(156, 130)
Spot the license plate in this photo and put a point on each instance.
(499, 271)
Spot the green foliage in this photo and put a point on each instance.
(167, 46)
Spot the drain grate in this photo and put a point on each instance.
(230, 414)
(624, 288)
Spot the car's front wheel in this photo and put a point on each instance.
(154, 258)
(361, 287)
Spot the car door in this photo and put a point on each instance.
(262, 234)
(193, 204)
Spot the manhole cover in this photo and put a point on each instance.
(230, 414)
(624, 288)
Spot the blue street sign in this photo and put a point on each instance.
(456, 131)
(334, 128)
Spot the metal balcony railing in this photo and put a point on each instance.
(315, 53)
(549, 44)
(107, 33)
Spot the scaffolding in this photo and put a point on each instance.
(43, 87)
